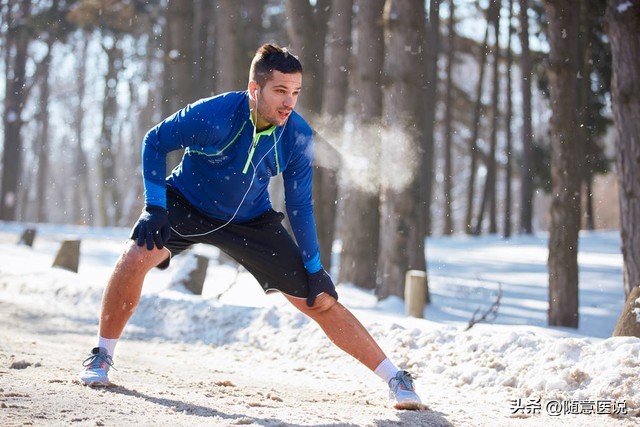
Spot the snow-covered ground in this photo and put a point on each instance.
(512, 370)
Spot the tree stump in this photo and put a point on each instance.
(195, 278)
(68, 256)
(28, 236)
(629, 323)
(415, 293)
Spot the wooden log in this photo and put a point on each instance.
(68, 256)
(629, 322)
(27, 237)
(415, 293)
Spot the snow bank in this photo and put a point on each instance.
(515, 360)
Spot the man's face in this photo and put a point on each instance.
(277, 99)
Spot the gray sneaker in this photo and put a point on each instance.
(403, 390)
(96, 368)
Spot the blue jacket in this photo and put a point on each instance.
(225, 174)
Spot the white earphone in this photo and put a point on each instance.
(255, 96)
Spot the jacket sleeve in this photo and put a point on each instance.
(299, 201)
(181, 129)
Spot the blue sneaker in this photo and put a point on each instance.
(96, 368)
(403, 390)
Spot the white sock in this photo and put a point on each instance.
(108, 343)
(386, 370)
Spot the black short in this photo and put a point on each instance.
(262, 245)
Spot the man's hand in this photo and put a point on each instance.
(320, 282)
(153, 227)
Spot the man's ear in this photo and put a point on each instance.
(253, 89)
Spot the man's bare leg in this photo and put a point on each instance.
(343, 329)
(122, 294)
(119, 301)
(347, 333)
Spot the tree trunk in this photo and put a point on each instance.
(473, 143)
(359, 181)
(84, 212)
(338, 66)
(448, 125)
(43, 141)
(623, 29)
(586, 133)
(526, 169)
(333, 111)
(109, 201)
(566, 153)
(488, 195)
(508, 137)
(401, 231)
(204, 52)
(430, 101)
(628, 325)
(252, 30)
(178, 63)
(307, 32)
(228, 75)
(17, 43)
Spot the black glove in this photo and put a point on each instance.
(153, 227)
(320, 282)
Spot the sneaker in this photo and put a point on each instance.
(96, 368)
(402, 389)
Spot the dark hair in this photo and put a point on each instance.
(270, 58)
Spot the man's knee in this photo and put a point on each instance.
(138, 258)
(323, 304)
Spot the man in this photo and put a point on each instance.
(234, 143)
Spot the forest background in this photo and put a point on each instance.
(431, 117)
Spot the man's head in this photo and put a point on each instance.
(270, 58)
(275, 81)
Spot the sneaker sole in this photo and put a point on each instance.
(95, 383)
(411, 406)
(99, 384)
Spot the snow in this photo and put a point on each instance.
(623, 7)
(524, 367)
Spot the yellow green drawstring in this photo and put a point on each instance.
(251, 151)
(254, 143)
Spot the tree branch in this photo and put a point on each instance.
(491, 311)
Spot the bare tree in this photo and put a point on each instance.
(488, 194)
(15, 50)
(584, 59)
(307, 32)
(430, 100)
(228, 48)
(566, 154)
(108, 197)
(448, 124)
(44, 140)
(401, 231)
(509, 143)
(252, 31)
(623, 28)
(333, 111)
(359, 182)
(526, 169)
(178, 63)
(475, 134)
(204, 52)
(83, 199)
